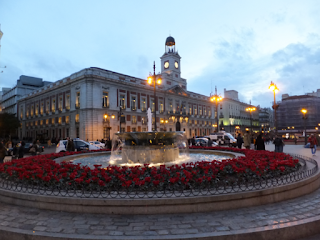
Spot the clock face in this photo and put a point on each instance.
(176, 64)
(166, 64)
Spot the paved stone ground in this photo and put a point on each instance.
(74, 225)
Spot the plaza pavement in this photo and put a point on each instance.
(45, 224)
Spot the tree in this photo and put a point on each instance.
(8, 124)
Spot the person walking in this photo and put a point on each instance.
(247, 140)
(259, 143)
(278, 144)
(3, 152)
(239, 141)
(70, 145)
(21, 149)
(313, 144)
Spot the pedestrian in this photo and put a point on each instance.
(278, 144)
(34, 148)
(21, 149)
(239, 141)
(70, 145)
(246, 140)
(3, 152)
(193, 141)
(313, 144)
(259, 143)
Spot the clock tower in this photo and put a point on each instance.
(170, 65)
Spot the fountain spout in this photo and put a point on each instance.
(149, 120)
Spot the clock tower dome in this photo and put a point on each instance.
(170, 65)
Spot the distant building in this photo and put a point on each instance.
(24, 86)
(290, 118)
(266, 119)
(233, 114)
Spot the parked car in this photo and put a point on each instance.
(97, 143)
(204, 142)
(79, 145)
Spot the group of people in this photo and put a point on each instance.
(258, 143)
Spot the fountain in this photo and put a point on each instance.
(149, 147)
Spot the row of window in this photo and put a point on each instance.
(48, 121)
(179, 107)
(45, 106)
(193, 109)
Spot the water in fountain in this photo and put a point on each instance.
(149, 147)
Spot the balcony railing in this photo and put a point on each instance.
(77, 105)
(143, 109)
(67, 108)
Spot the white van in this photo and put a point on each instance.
(223, 138)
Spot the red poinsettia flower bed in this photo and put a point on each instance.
(43, 171)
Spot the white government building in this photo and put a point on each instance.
(88, 105)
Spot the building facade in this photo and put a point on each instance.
(95, 103)
(266, 119)
(290, 119)
(24, 86)
(233, 116)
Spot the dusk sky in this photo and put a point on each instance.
(237, 45)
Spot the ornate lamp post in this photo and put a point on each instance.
(250, 109)
(155, 79)
(164, 122)
(304, 111)
(216, 99)
(273, 87)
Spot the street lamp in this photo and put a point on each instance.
(162, 121)
(155, 79)
(273, 87)
(250, 109)
(216, 98)
(304, 111)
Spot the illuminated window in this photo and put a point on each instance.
(47, 121)
(48, 107)
(161, 107)
(53, 106)
(133, 103)
(60, 104)
(68, 102)
(105, 99)
(143, 104)
(123, 101)
(78, 100)
(32, 111)
(21, 113)
(200, 110)
(143, 120)
(67, 119)
(41, 122)
(134, 119)
(37, 110)
(195, 110)
(52, 121)
(60, 120)
(152, 105)
(41, 108)
(77, 118)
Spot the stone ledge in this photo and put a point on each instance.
(163, 205)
